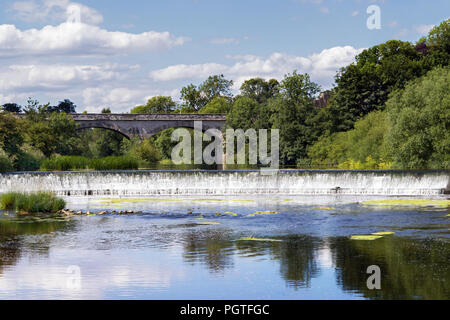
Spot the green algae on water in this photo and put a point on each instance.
(409, 202)
(370, 237)
(323, 208)
(208, 223)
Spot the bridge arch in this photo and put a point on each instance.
(125, 135)
(147, 125)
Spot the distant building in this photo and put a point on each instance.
(422, 48)
(323, 99)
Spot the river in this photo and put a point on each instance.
(230, 235)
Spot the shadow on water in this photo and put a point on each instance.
(15, 230)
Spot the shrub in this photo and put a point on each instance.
(40, 202)
(147, 152)
(27, 162)
(5, 164)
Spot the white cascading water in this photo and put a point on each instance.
(229, 182)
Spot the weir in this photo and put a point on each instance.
(301, 182)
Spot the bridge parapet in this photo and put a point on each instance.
(148, 117)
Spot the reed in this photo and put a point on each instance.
(39, 202)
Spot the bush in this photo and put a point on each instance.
(115, 163)
(65, 163)
(5, 164)
(363, 147)
(147, 152)
(27, 162)
(40, 202)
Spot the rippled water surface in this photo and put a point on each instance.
(167, 253)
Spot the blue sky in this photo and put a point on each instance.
(120, 53)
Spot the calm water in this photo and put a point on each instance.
(165, 254)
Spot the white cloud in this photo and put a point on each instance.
(54, 10)
(120, 99)
(355, 13)
(26, 78)
(80, 39)
(424, 29)
(183, 71)
(322, 67)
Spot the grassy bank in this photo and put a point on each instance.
(39, 202)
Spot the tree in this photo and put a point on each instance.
(217, 105)
(11, 130)
(244, 114)
(260, 89)
(65, 106)
(292, 113)
(438, 46)
(216, 86)
(40, 136)
(364, 86)
(158, 104)
(12, 107)
(195, 98)
(54, 134)
(420, 115)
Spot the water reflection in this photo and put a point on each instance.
(299, 264)
(26, 233)
(211, 247)
(410, 268)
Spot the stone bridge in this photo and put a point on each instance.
(147, 125)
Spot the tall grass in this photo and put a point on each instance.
(39, 202)
(115, 163)
(65, 163)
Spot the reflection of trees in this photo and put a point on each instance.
(9, 251)
(214, 248)
(11, 237)
(409, 268)
(211, 247)
(296, 256)
(297, 263)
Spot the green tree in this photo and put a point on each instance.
(260, 89)
(11, 138)
(437, 51)
(244, 114)
(292, 113)
(65, 106)
(364, 86)
(40, 136)
(195, 98)
(12, 107)
(158, 104)
(420, 117)
(217, 105)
